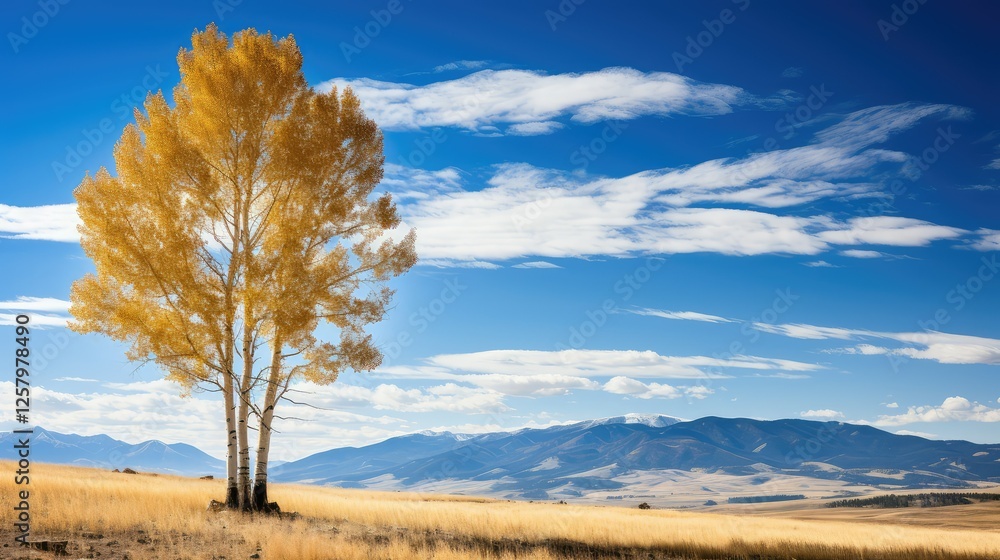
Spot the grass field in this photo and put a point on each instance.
(112, 515)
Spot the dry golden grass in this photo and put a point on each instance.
(164, 517)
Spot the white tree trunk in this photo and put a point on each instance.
(260, 500)
(232, 490)
(244, 414)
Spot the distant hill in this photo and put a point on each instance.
(596, 458)
(105, 452)
(575, 459)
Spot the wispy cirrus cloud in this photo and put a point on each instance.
(598, 363)
(53, 222)
(461, 65)
(941, 347)
(447, 397)
(875, 125)
(889, 230)
(525, 211)
(490, 99)
(44, 311)
(29, 303)
(543, 373)
(945, 348)
(862, 254)
(988, 240)
(529, 211)
(680, 315)
(536, 264)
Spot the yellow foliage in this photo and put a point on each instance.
(247, 205)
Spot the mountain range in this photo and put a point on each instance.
(596, 459)
(103, 451)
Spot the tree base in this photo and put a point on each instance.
(260, 503)
(232, 498)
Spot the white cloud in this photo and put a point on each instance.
(876, 124)
(698, 391)
(461, 65)
(448, 397)
(889, 230)
(941, 347)
(131, 416)
(989, 240)
(41, 311)
(819, 264)
(458, 263)
(953, 409)
(536, 373)
(55, 222)
(681, 315)
(892, 405)
(27, 303)
(528, 211)
(995, 164)
(626, 386)
(823, 414)
(956, 352)
(811, 332)
(862, 254)
(792, 72)
(861, 349)
(528, 385)
(78, 379)
(590, 363)
(407, 183)
(488, 98)
(536, 264)
(524, 211)
(534, 128)
(145, 410)
(37, 320)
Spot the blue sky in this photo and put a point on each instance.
(716, 208)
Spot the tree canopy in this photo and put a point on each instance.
(243, 215)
